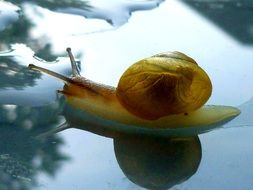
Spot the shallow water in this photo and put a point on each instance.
(107, 37)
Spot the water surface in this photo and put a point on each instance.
(107, 37)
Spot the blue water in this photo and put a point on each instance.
(107, 37)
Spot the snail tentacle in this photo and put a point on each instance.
(75, 71)
(49, 72)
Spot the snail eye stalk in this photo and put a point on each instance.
(75, 71)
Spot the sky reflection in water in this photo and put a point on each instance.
(80, 160)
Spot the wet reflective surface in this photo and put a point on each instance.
(107, 37)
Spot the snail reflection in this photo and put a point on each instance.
(157, 163)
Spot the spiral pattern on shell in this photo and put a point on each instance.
(164, 84)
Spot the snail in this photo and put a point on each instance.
(164, 91)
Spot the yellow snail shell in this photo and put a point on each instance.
(164, 84)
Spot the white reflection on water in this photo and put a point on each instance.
(115, 12)
(8, 14)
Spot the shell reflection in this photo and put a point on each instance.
(158, 163)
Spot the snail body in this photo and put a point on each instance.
(170, 87)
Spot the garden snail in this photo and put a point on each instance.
(167, 90)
